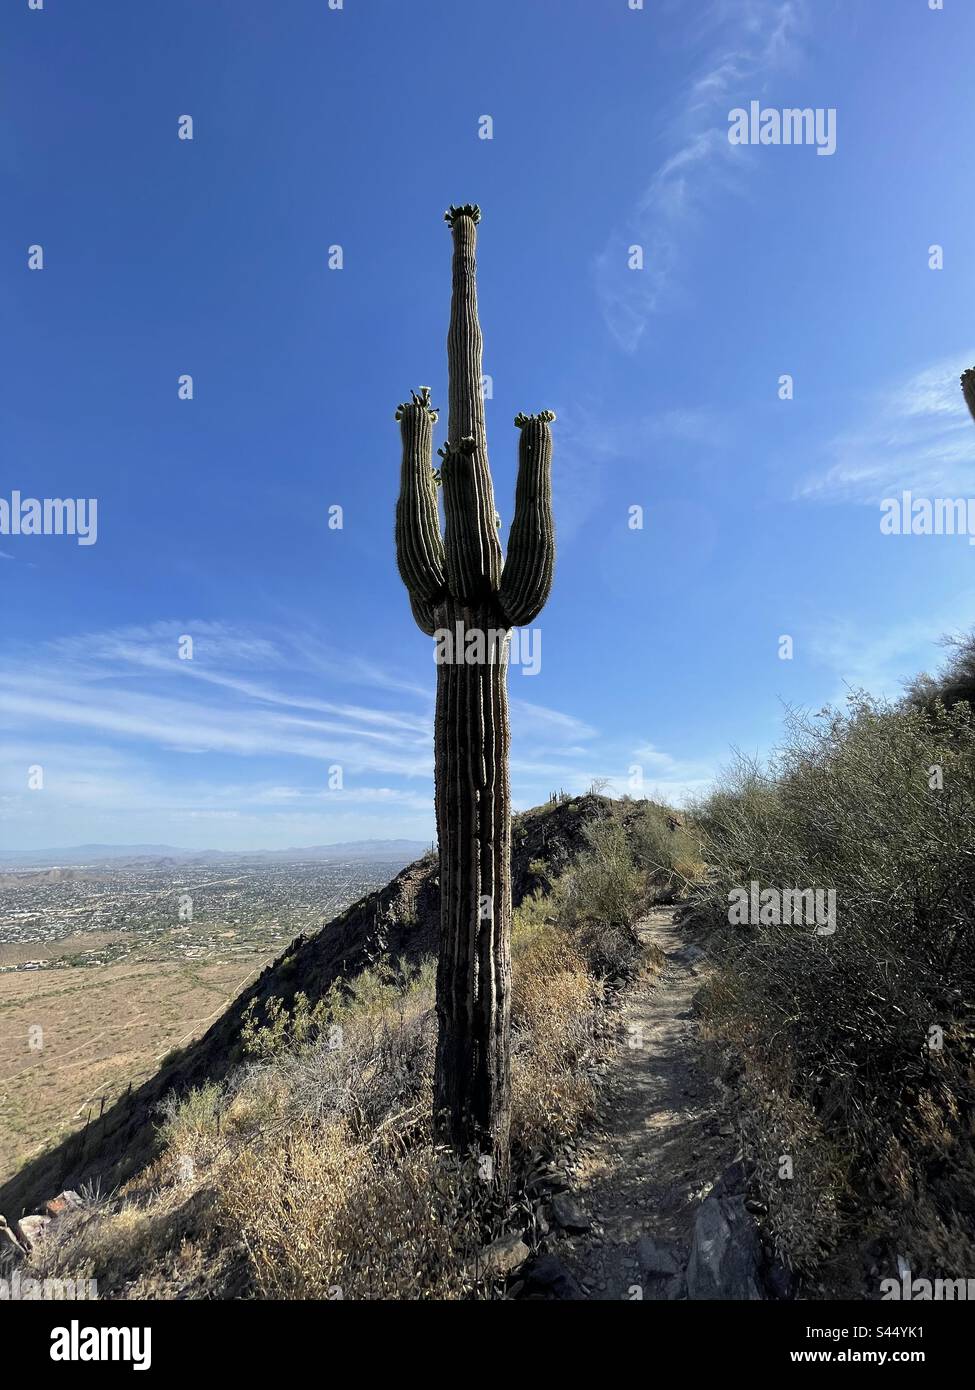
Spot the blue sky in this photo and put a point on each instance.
(356, 127)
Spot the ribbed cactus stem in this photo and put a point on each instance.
(968, 389)
(460, 592)
(473, 548)
(530, 564)
(472, 1086)
(419, 545)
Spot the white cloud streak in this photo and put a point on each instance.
(750, 39)
(916, 434)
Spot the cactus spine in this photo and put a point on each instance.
(466, 594)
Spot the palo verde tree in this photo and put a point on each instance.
(468, 596)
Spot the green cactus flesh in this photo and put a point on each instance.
(459, 583)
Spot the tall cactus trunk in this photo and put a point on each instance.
(472, 1081)
(463, 593)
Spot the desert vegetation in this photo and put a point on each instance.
(314, 1170)
(852, 1050)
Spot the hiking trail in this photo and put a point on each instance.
(662, 1137)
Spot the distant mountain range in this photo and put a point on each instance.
(387, 851)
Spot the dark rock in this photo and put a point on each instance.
(656, 1259)
(12, 1249)
(546, 1277)
(548, 1180)
(733, 1181)
(725, 1252)
(780, 1281)
(569, 1215)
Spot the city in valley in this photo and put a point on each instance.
(107, 965)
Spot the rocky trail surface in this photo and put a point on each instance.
(655, 1205)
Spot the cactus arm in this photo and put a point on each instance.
(968, 389)
(424, 613)
(527, 576)
(419, 546)
(473, 551)
(457, 584)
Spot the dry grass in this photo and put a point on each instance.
(146, 1009)
(322, 1216)
(555, 1011)
(311, 1171)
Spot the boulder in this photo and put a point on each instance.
(548, 1178)
(726, 1252)
(733, 1181)
(657, 1260)
(547, 1278)
(780, 1281)
(57, 1206)
(11, 1248)
(502, 1256)
(31, 1229)
(569, 1215)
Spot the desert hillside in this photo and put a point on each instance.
(399, 922)
(706, 1103)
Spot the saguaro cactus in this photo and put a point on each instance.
(968, 388)
(463, 592)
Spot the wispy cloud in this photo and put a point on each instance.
(916, 434)
(643, 770)
(882, 660)
(671, 779)
(132, 684)
(122, 726)
(537, 719)
(136, 743)
(747, 41)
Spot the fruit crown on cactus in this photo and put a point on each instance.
(461, 578)
(466, 564)
(470, 210)
(422, 401)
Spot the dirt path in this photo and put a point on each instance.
(662, 1138)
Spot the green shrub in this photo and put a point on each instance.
(841, 1024)
(664, 849)
(598, 898)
